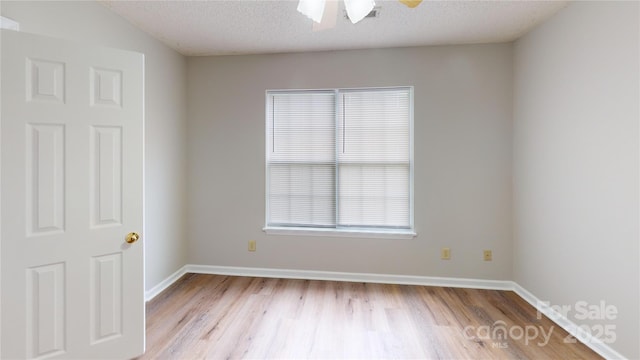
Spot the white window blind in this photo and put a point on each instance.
(339, 158)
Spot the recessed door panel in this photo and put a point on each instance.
(45, 81)
(106, 173)
(46, 323)
(106, 87)
(45, 200)
(106, 297)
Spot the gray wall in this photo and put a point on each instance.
(576, 164)
(463, 110)
(165, 123)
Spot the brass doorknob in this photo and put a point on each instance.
(132, 237)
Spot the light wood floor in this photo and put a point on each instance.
(226, 317)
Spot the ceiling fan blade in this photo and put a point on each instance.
(358, 9)
(411, 3)
(313, 9)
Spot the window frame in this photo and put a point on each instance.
(342, 231)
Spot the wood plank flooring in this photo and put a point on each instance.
(227, 317)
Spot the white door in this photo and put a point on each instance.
(71, 190)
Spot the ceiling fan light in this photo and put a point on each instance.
(313, 9)
(411, 3)
(358, 9)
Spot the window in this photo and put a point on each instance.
(340, 161)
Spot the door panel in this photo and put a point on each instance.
(106, 176)
(46, 320)
(106, 297)
(45, 166)
(71, 142)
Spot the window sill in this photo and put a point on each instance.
(360, 233)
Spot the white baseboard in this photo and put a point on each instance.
(594, 344)
(572, 328)
(154, 291)
(354, 277)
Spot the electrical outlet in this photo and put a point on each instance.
(252, 245)
(445, 254)
(487, 255)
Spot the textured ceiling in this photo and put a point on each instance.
(254, 27)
